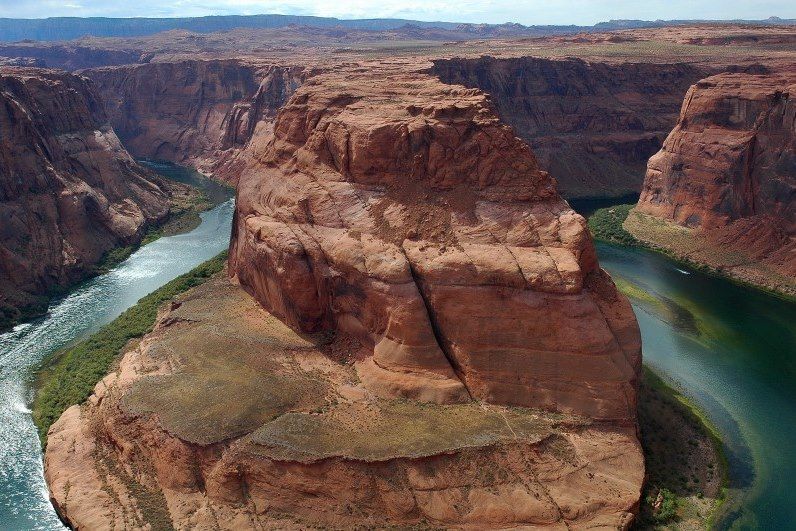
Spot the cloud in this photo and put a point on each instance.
(494, 11)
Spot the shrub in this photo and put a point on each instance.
(606, 224)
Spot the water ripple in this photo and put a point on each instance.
(24, 500)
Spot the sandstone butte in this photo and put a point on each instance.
(415, 331)
(69, 191)
(721, 190)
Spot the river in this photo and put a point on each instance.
(732, 349)
(24, 502)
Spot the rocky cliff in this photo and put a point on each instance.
(440, 346)
(69, 191)
(194, 112)
(726, 175)
(406, 215)
(592, 125)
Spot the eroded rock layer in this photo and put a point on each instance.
(225, 418)
(194, 112)
(727, 174)
(69, 191)
(400, 210)
(593, 125)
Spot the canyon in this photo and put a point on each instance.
(389, 224)
(722, 189)
(69, 192)
(410, 302)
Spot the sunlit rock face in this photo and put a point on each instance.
(400, 210)
(728, 169)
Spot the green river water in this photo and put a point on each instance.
(733, 350)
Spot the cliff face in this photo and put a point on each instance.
(728, 172)
(70, 56)
(193, 112)
(69, 191)
(405, 213)
(592, 125)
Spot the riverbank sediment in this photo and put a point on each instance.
(622, 225)
(685, 462)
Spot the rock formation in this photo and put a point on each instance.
(447, 350)
(225, 418)
(727, 174)
(592, 125)
(401, 210)
(193, 112)
(69, 191)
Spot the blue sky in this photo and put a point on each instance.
(496, 11)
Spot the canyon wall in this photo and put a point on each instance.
(71, 56)
(727, 172)
(592, 125)
(69, 191)
(193, 112)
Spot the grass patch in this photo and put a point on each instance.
(396, 428)
(686, 465)
(69, 377)
(606, 225)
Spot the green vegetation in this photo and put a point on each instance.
(686, 466)
(69, 377)
(11, 315)
(606, 224)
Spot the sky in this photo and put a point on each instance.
(584, 12)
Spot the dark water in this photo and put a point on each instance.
(732, 349)
(24, 501)
(215, 192)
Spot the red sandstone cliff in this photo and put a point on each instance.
(69, 191)
(728, 171)
(402, 211)
(592, 125)
(194, 112)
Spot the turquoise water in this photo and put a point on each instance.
(733, 350)
(24, 502)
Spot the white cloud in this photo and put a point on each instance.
(495, 11)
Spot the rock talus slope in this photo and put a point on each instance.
(69, 191)
(726, 173)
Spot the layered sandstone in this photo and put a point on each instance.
(194, 112)
(225, 418)
(727, 176)
(400, 210)
(592, 125)
(69, 191)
